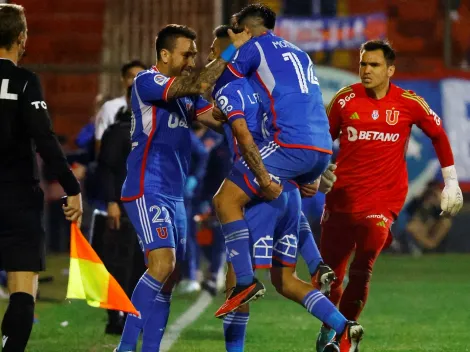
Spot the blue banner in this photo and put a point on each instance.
(316, 34)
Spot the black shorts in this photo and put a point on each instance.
(22, 237)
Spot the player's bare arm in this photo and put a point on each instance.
(252, 156)
(208, 120)
(195, 84)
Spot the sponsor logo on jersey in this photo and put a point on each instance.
(437, 120)
(377, 216)
(354, 116)
(354, 135)
(381, 224)
(233, 253)
(344, 101)
(375, 114)
(38, 104)
(175, 121)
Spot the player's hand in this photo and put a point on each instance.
(114, 216)
(73, 210)
(328, 178)
(218, 115)
(272, 191)
(451, 199)
(309, 190)
(239, 39)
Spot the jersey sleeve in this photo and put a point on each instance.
(39, 127)
(333, 111)
(202, 105)
(430, 123)
(230, 101)
(245, 62)
(153, 86)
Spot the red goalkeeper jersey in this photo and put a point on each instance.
(373, 137)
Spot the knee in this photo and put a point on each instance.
(161, 267)
(358, 274)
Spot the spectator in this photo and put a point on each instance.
(106, 115)
(426, 230)
(121, 252)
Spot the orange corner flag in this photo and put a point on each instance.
(89, 279)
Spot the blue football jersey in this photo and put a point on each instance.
(161, 144)
(284, 77)
(237, 99)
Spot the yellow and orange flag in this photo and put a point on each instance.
(89, 279)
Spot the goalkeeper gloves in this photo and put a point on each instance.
(451, 197)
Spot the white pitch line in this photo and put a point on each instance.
(187, 318)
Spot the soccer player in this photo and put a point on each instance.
(277, 230)
(164, 102)
(246, 125)
(299, 149)
(25, 128)
(373, 121)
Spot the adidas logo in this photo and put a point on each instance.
(354, 116)
(233, 253)
(381, 224)
(4, 340)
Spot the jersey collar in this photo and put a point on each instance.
(4, 58)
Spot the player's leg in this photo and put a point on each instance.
(371, 234)
(322, 275)
(158, 318)
(152, 218)
(336, 246)
(22, 256)
(260, 219)
(235, 323)
(229, 203)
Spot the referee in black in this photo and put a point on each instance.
(25, 129)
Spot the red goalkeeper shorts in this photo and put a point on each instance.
(342, 233)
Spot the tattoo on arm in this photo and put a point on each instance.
(196, 84)
(253, 158)
(250, 151)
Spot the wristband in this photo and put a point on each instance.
(228, 53)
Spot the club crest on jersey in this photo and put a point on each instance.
(189, 106)
(375, 114)
(392, 117)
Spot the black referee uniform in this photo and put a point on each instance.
(25, 128)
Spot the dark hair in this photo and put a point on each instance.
(167, 36)
(383, 45)
(222, 31)
(12, 23)
(128, 65)
(259, 11)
